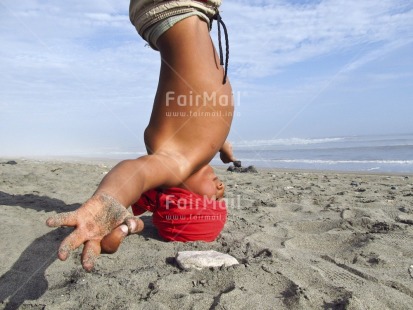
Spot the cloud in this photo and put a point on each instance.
(106, 18)
(268, 36)
(90, 42)
(68, 47)
(377, 52)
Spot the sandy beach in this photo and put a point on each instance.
(304, 240)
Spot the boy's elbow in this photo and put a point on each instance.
(173, 169)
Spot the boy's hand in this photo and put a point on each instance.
(225, 158)
(95, 219)
(226, 154)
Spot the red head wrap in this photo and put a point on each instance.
(181, 215)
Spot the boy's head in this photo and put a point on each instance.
(193, 211)
(205, 182)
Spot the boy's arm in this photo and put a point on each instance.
(106, 210)
(130, 178)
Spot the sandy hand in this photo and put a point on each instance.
(95, 219)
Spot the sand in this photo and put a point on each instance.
(305, 240)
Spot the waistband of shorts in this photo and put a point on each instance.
(145, 13)
(152, 34)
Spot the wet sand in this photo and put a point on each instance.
(305, 240)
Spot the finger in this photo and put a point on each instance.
(135, 225)
(111, 242)
(90, 254)
(62, 219)
(71, 242)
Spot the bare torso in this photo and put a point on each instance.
(193, 109)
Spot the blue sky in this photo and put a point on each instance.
(77, 79)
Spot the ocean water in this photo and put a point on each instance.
(380, 153)
(384, 153)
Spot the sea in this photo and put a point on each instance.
(369, 153)
(362, 153)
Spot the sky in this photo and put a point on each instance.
(76, 78)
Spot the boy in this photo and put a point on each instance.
(179, 148)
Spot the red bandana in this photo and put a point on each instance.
(181, 215)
